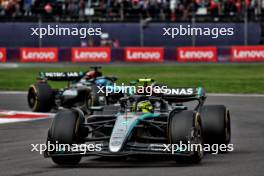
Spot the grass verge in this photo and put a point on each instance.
(217, 78)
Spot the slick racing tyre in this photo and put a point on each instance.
(40, 97)
(216, 124)
(185, 127)
(65, 129)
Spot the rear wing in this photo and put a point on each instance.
(184, 94)
(61, 76)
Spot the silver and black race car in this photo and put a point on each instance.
(81, 91)
(141, 125)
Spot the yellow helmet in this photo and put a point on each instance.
(145, 106)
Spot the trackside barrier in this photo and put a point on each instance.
(197, 54)
(100, 54)
(247, 53)
(134, 54)
(39, 55)
(144, 54)
(2, 55)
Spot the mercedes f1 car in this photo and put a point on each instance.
(142, 125)
(82, 91)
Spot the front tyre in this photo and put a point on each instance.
(185, 127)
(69, 160)
(65, 129)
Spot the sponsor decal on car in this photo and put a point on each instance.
(2, 55)
(100, 54)
(179, 91)
(144, 54)
(61, 74)
(70, 92)
(196, 54)
(38, 54)
(247, 53)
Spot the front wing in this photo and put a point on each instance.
(131, 148)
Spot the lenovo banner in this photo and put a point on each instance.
(247, 53)
(38, 54)
(2, 55)
(100, 54)
(196, 54)
(144, 54)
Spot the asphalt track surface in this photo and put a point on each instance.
(246, 160)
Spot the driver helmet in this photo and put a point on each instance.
(92, 74)
(145, 106)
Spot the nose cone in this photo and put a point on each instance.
(115, 146)
(123, 126)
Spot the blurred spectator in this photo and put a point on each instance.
(214, 7)
(72, 7)
(48, 8)
(27, 7)
(230, 7)
(11, 7)
(131, 9)
(173, 7)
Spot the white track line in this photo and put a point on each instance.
(13, 120)
(24, 112)
(13, 92)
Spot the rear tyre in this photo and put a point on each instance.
(216, 124)
(40, 97)
(65, 129)
(97, 98)
(185, 127)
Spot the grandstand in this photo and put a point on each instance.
(132, 10)
(133, 23)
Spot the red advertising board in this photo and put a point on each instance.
(38, 54)
(144, 54)
(196, 54)
(100, 54)
(247, 53)
(2, 55)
